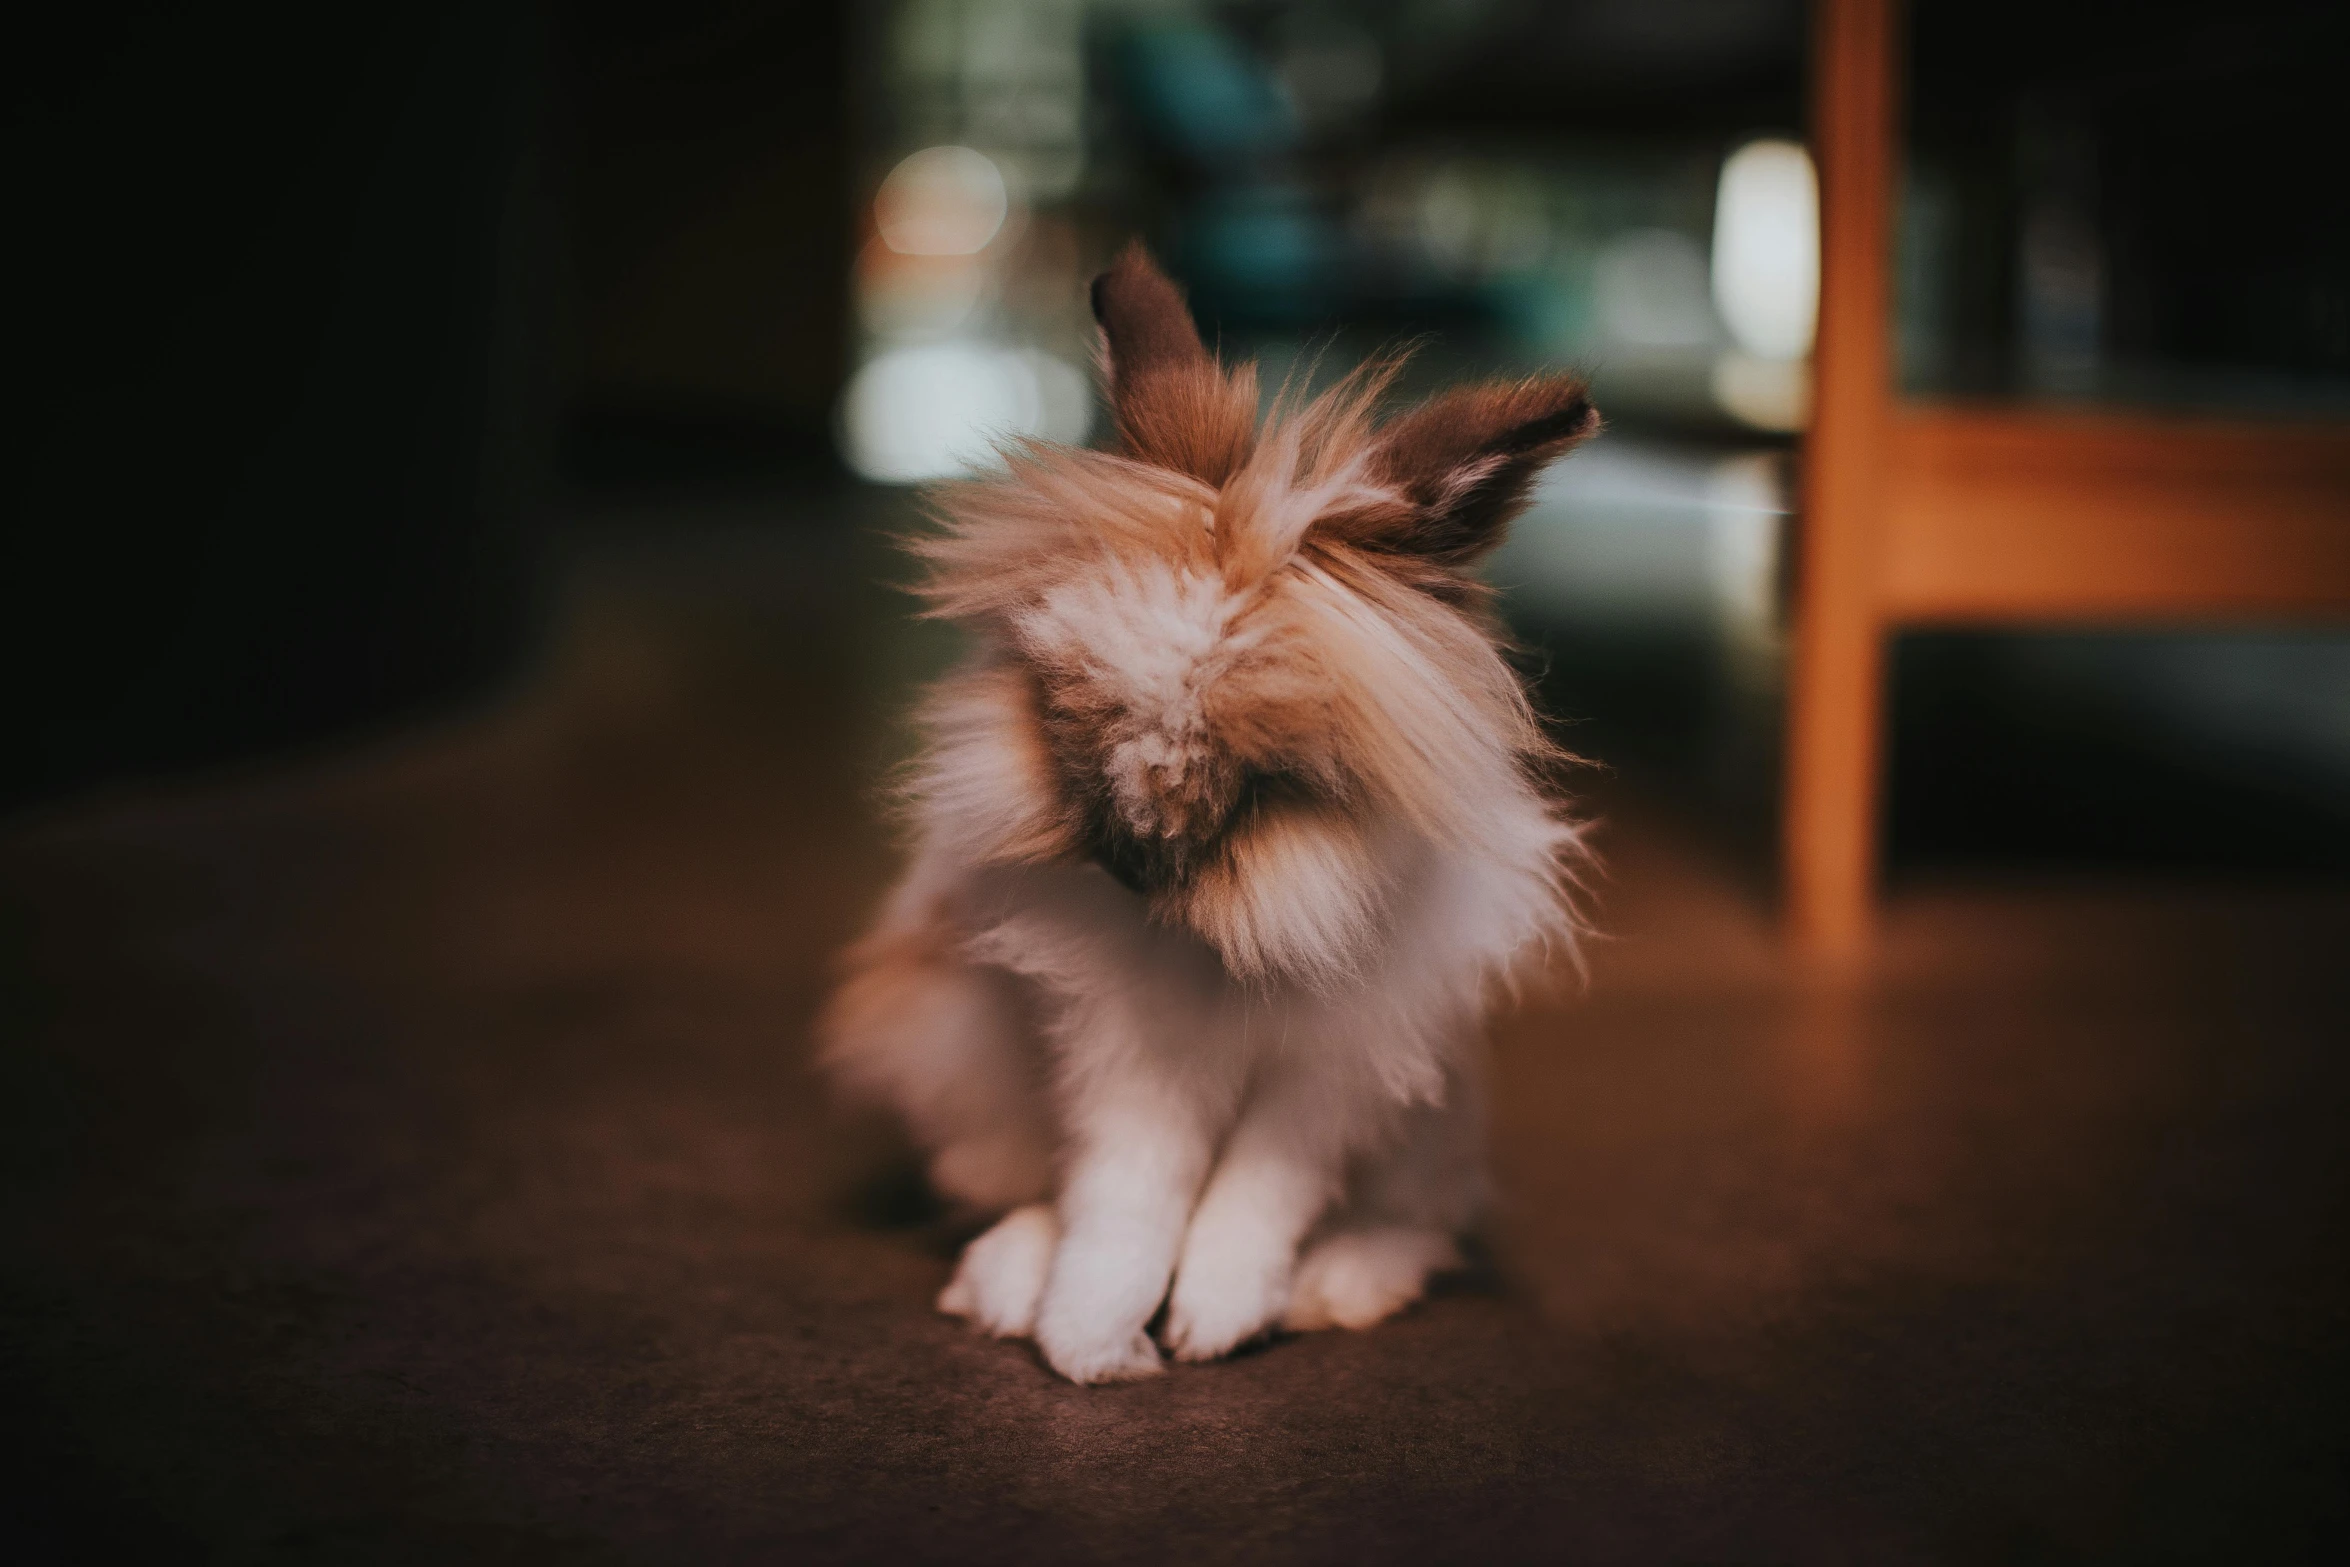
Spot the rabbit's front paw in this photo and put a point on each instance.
(1084, 1354)
(1089, 1326)
(1230, 1287)
(1001, 1277)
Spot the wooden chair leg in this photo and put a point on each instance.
(1835, 689)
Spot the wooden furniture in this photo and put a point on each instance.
(1920, 514)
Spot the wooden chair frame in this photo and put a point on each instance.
(1921, 514)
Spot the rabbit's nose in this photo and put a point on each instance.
(1126, 870)
(1141, 864)
(1129, 866)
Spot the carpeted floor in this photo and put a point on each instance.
(411, 1157)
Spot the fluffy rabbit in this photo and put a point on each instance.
(1223, 837)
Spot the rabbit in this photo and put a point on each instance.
(1223, 837)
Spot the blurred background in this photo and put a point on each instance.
(341, 341)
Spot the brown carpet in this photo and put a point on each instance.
(411, 1156)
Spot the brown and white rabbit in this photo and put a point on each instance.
(1222, 838)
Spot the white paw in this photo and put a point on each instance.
(1082, 1354)
(1102, 1292)
(1226, 1293)
(1358, 1277)
(1001, 1277)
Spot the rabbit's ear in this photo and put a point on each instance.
(1174, 406)
(1467, 459)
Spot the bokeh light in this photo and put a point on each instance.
(942, 201)
(1766, 262)
(939, 410)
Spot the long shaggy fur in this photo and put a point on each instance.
(1224, 833)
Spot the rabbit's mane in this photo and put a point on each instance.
(1402, 656)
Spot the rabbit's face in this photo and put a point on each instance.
(1241, 670)
(1180, 707)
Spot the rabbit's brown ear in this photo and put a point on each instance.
(1174, 406)
(1467, 459)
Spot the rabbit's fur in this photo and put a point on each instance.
(1222, 838)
